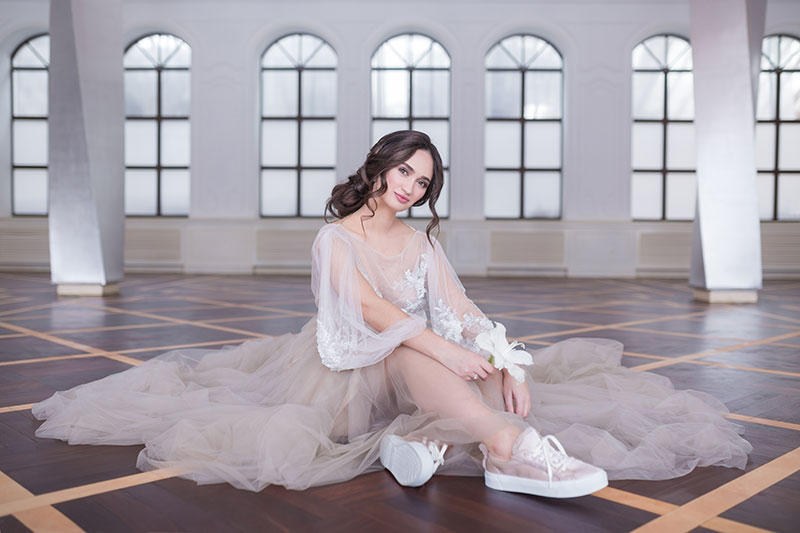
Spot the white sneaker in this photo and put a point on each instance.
(411, 463)
(540, 466)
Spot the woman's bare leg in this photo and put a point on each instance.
(436, 389)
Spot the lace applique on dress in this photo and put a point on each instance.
(335, 344)
(446, 323)
(414, 280)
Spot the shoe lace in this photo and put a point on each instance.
(437, 453)
(551, 453)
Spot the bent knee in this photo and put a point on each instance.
(403, 355)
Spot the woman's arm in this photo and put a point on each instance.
(381, 314)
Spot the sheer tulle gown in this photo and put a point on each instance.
(310, 408)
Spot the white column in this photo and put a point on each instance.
(86, 146)
(726, 252)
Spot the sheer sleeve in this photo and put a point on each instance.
(453, 315)
(344, 339)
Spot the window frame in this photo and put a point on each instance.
(665, 121)
(523, 168)
(13, 117)
(159, 118)
(776, 170)
(299, 118)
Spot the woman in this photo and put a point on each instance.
(367, 380)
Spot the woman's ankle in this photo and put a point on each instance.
(500, 444)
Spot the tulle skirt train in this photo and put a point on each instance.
(269, 412)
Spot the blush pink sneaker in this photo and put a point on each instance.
(540, 466)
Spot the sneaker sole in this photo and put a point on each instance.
(558, 489)
(402, 461)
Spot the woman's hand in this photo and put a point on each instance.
(464, 363)
(517, 395)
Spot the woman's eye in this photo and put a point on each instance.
(404, 171)
(423, 184)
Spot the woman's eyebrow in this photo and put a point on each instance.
(412, 171)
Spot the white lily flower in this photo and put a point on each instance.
(504, 355)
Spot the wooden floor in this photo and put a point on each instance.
(748, 356)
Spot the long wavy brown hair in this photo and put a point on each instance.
(390, 151)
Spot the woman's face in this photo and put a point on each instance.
(407, 182)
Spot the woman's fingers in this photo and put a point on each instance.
(509, 401)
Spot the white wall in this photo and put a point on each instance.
(224, 232)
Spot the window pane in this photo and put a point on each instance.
(646, 196)
(680, 95)
(140, 142)
(503, 144)
(324, 57)
(643, 58)
(789, 196)
(648, 146)
(382, 127)
(499, 58)
(390, 93)
(175, 142)
(35, 53)
(319, 143)
(175, 93)
(180, 57)
(765, 146)
(789, 153)
(542, 194)
(315, 188)
(388, 56)
(503, 94)
(30, 142)
(680, 146)
(436, 58)
(279, 192)
(679, 54)
(439, 132)
(136, 57)
(30, 93)
(545, 56)
(501, 195)
(279, 143)
(790, 52)
(431, 97)
(140, 192)
(542, 145)
(280, 93)
(30, 192)
(276, 56)
(681, 195)
(141, 89)
(319, 93)
(790, 96)
(765, 185)
(174, 192)
(767, 93)
(542, 95)
(648, 95)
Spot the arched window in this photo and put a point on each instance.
(298, 126)
(524, 92)
(29, 107)
(663, 185)
(157, 135)
(778, 129)
(411, 90)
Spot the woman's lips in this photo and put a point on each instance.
(400, 198)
